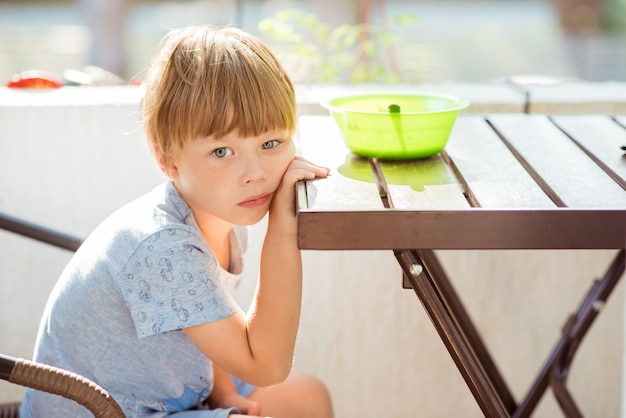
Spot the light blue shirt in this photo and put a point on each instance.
(115, 315)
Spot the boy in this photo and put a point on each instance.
(144, 308)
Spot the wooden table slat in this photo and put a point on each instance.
(491, 172)
(574, 178)
(320, 142)
(428, 185)
(602, 138)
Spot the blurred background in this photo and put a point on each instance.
(436, 41)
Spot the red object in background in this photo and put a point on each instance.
(136, 81)
(33, 80)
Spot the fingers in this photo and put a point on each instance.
(301, 169)
(283, 207)
(248, 407)
(254, 408)
(312, 165)
(245, 416)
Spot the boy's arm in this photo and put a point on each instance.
(258, 348)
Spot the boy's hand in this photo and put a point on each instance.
(283, 202)
(244, 405)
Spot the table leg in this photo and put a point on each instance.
(427, 278)
(556, 368)
(462, 352)
(460, 315)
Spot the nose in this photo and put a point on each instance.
(253, 170)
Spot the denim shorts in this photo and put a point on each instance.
(244, 389)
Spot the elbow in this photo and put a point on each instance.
(272, 375)
(281, 373)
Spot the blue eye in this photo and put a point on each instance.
(222, 152)
(270, 144)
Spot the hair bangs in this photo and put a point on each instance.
(210, 82)
(246, 91)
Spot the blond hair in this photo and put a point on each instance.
(207, 81)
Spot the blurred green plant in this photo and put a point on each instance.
(614, 16)
(349, 53)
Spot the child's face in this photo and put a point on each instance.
(232, 178)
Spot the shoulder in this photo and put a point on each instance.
(157, 220)
(159, 210)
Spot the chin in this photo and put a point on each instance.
(252, 220)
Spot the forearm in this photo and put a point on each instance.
(274, 315)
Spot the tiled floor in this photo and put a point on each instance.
(450, 41)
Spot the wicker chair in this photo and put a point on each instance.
(59, 382)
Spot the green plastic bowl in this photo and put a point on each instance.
(394, 125)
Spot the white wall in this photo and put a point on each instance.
(67, 162)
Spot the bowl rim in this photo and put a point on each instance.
(463, 103)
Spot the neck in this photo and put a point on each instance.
(216, 233)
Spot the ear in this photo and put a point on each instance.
(166, 163)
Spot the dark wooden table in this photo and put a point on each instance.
(505, 181)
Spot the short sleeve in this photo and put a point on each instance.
(172, 281)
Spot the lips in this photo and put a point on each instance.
(256, 201)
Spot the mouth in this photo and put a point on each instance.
(256, 201)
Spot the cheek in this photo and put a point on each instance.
(288, 157)
(202, 182)
(280, 167)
